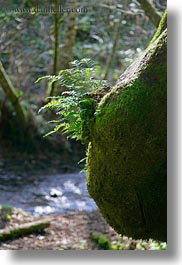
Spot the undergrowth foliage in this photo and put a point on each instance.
(75, 106)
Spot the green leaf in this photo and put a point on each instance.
(75, 107)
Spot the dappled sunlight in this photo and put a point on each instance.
(49, 194)
(40, 210)
(70, 187)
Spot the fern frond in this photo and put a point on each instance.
(73, 106)
(49, 77)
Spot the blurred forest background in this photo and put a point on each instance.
(35, 44)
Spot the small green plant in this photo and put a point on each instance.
(126, 243)
(101, 240)
(76, 106)
(5, 215)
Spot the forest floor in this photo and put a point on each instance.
(67, 231)
(72, 231)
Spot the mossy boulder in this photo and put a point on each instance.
(126, 157)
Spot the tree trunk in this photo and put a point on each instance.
(56, 46)
(11, 94)
(150, 11)
(67, 50)
(111, 57)
(126, 158)
(70, 34)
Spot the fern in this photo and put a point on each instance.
(75, 107)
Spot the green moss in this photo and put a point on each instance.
(101, 240)
(5, 215)
(162, 26)
(87, 110)
(126, 157)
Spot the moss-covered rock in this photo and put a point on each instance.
(126, 158)
(162, 26)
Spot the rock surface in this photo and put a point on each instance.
(127, 154)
